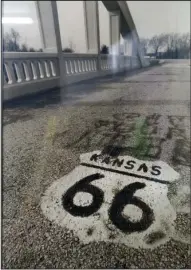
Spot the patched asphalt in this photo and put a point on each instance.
(43, 138)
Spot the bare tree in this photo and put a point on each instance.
(24, 48)
(171, 41)
(15, 36)
(104, 49)
(174, 45)
(11, 43)
(67, 50)
(183, 45)
(31, 49)
(177, 45)
(144, 44)
(157, 42)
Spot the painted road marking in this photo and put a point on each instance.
(158, 171)
(100, 204)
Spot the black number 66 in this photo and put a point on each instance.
(121, 199)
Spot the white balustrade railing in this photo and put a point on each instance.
(106, 62)
(79, 63)
(29, 67)
(120, 62)
(25, 73)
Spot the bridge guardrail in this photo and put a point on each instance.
(26, 73)
(28, 67)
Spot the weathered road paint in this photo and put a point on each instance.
(121, 200)
(158, 170)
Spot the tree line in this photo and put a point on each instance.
(172, 45)
(11, 43)
(167, 46)
(103, 50)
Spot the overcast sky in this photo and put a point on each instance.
(150, 17)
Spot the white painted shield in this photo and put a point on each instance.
(157, 217)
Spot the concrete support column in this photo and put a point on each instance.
(134, 42)
(128, 45)
(137, 51)
(91, 15)
(114, 32)
(132, 47)
(49, 25)
(50, 31)
(115, 38)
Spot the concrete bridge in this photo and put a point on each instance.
(96, 174)
(26, 73)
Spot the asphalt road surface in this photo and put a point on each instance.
(98, 175)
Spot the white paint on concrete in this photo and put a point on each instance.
(132, 212)
(154, 194)
(82, 199)
(167, 173)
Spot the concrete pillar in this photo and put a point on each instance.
(134, 43)
(133, 48)
(127, 45)
(49, 25)
(91, 15)
(50, 32)
(114, 19)
(137, 50)
(130, 45)
(114, 32)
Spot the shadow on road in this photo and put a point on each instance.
(69, 94)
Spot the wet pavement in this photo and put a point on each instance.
(144, 115)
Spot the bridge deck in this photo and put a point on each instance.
(146, 116)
